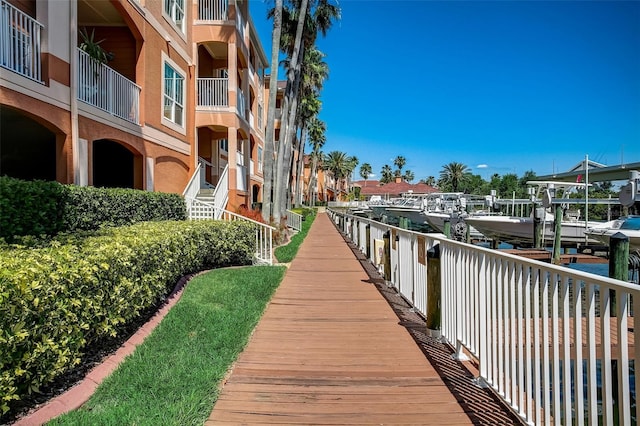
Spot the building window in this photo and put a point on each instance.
(175, 10)
(173, 95)
(260, 159)
(224, 145)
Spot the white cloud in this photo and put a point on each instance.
(482, 166)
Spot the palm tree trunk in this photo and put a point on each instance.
(268, 160)
(300, 168)
(289, 114)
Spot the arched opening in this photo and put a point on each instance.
(115, 166)
(27, 149)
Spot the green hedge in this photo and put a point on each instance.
(59, 296)
(39, 207)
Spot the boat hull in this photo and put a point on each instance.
(519, 230)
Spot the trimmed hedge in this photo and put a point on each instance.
(60, 296)
(39, 207)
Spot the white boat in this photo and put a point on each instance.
(458, 224)
(627, 225)
(519, 230)
(410, 208)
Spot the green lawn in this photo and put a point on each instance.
(285, 254)
(173, 377)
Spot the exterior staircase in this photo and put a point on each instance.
(204, 201)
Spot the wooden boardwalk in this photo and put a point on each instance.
(336, 346)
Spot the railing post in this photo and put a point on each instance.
(537, 227)
(387, 255)
(618, 263)
(368, 242)
(434, 296)
(557, 242)
(447, 228)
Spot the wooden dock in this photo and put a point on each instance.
(338, 347)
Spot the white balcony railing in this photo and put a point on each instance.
(242, 104)
(241, 178)
(104, 88)
(213, 91)
(252, 167)
(252, 120)
(20, 42)
(555, 343)
(240, 23)
(213, 10)
(260, 119)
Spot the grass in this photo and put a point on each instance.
(285, 254)
(173, 377)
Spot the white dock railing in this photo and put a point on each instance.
(213, 91)
(556, 344)
(105, 88)
(20, 42)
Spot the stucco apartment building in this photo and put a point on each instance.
(182, 91)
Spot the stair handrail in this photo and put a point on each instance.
(193, 186)
(221, 193)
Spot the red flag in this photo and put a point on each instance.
(579, 178)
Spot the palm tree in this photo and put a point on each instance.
(431, 181)
(365, 172)
(453, 175)
(399, 162)
(386, 174)
(317, 139)
(337, 163)
(352, 163)
(308, 23)
(314, 73)
(408, 176)
(268, 155)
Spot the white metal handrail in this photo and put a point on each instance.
(105, 88)
(221, 193)
(264, 233)
(213, 91)
(20, 42)
(193, 186)
(294, 220)
(213, 10)
(547, 338)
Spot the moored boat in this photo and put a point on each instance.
(627, 225)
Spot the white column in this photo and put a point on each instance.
(149, 172)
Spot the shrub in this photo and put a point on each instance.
(38, 207)
(60, 296)
(30, 208)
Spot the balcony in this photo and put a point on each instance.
(213, 10)
(213, 92)
(20, 42)
(108, 90)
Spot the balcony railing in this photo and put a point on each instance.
(104, 88)
(213, 91)
(240, 23)
(241, 178)
(213, 10)
(242, 104)
(20, 42)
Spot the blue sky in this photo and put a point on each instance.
(500, 86)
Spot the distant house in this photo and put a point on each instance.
(397, 188)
